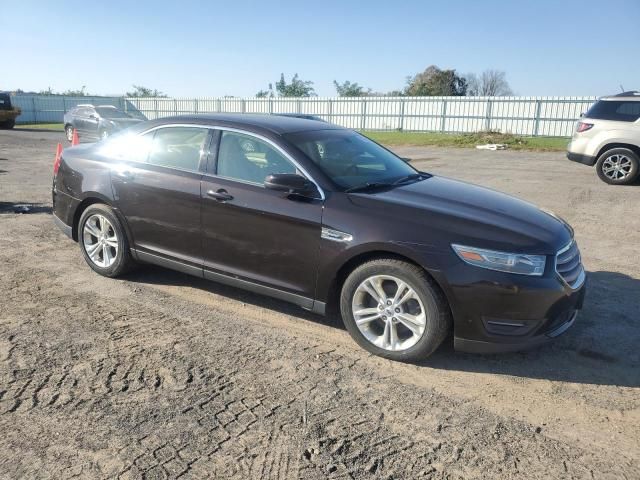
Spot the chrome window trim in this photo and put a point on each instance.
(236, 130)
(581, 277)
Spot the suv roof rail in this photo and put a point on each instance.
(630, 93)
(107, 106)
(84, 105)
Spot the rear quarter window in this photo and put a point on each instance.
(620, 110)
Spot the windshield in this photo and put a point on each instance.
(106, 112)
(351, 160)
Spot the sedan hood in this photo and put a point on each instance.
(476, 216)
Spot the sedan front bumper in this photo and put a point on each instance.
(497, 312)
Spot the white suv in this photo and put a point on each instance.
(608, 136)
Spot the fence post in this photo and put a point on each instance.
(538, 110)
(195, 106)
(299, 105)
(487, 120)
(243, 106)
(35, 115)
(401, 128)
(444, 116)
(363, 120)
(330, 111)
(155, 104)
(64, 105)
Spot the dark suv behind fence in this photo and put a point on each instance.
(96, 122)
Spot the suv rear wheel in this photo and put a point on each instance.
(393, 309)
(618, 166)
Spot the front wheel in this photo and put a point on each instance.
(103, 241)
(618, 166)
(393, 309)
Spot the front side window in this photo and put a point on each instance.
(247, 158)
(619, 110)
(350, 159)
(178, 147)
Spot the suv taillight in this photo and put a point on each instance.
(584, 126)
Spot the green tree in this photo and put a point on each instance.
(436, 82)
(348, 89)
(140, 91)
(297, 87)
(76, 93)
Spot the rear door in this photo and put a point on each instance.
(158, 191)
(254, 234)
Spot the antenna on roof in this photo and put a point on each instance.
(621, 88)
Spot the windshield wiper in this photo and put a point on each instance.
(367, 186)
(413, 176)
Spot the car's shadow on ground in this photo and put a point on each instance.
(24, 207)
(600, 349)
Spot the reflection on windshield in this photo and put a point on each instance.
(351, 160)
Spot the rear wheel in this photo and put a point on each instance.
(393, 309)
(68, 131)
(618, 166)
(103, 241)
(7, 124)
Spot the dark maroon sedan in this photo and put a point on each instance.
(321, 216)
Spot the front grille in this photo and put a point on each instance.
(569, 265)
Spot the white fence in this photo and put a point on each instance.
(537, 116)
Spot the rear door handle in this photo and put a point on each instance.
(221, 195)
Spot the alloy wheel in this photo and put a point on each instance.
(617, 166)
(389, 313)
(69, 132)
(100, 240)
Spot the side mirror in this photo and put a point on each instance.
(290, 183)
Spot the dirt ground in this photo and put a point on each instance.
(163, 375)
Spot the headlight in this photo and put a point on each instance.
(502, 261)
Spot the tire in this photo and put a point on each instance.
(627, 162)
(426, 297)
(7, 124)
(116, 260)
(68, 131)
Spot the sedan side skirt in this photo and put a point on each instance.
(302, 301)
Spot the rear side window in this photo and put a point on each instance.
(178, 147)
(619, 110)
(249, 159)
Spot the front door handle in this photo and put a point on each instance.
(221, 195)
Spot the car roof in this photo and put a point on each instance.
(273, 123)
(633, 95)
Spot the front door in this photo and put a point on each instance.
(159, 195)
(254, 234)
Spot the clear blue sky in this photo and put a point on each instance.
(236, 47)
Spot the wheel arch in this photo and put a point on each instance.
(609, 146)
(348, 266)
(92, 199)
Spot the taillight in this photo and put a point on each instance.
(584, 126)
